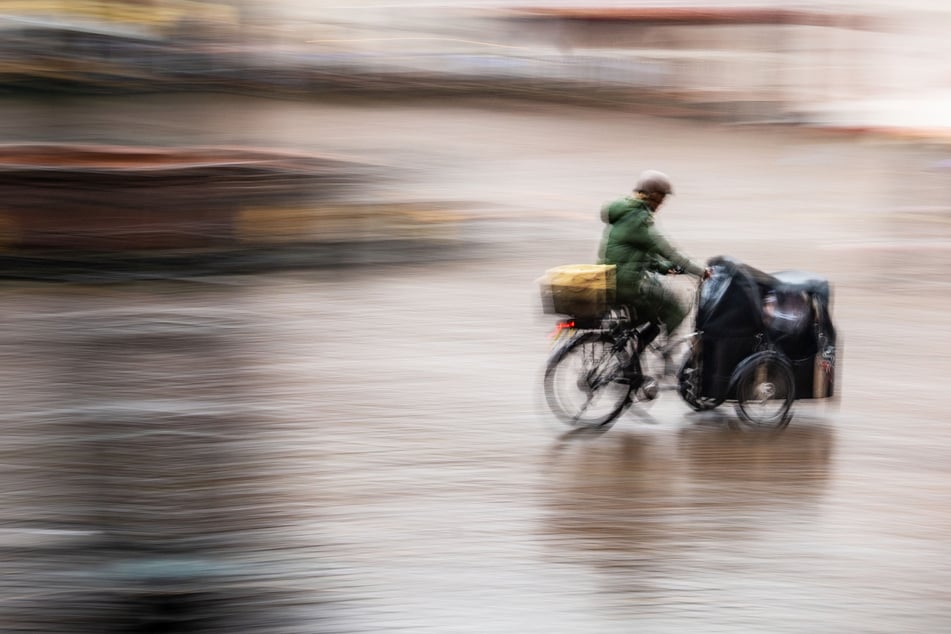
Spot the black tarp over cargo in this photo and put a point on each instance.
(742, 309)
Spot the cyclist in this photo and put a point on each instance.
(641, 254)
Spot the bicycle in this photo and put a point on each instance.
(603, 367)
(760, 359)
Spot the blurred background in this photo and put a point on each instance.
(272, 337)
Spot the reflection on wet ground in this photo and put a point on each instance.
(682, 513)
(336, 463)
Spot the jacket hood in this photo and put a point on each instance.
(614, 211)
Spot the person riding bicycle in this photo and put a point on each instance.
(641, 253)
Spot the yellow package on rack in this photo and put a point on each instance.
(579, 290)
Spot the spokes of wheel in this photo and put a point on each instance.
(583, 383)
(765, 390)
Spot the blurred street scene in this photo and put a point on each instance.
(833, 62)
(273, 341)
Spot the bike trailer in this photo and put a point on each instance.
(742, 310)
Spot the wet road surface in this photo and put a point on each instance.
(365, 449)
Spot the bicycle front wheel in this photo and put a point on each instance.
(584, 383)
(765, 390)
(689, 381)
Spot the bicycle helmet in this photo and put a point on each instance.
(654, 182)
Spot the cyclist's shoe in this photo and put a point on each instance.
(648, 389)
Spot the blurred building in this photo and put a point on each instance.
(750, 60)
(113, 43)
(755, 59)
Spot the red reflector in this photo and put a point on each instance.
(562, 325)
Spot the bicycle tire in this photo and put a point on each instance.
(689, 381)
(765, 389)
(582, 383)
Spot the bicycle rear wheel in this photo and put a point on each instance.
(584, 383)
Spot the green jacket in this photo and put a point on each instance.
(633, 243)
